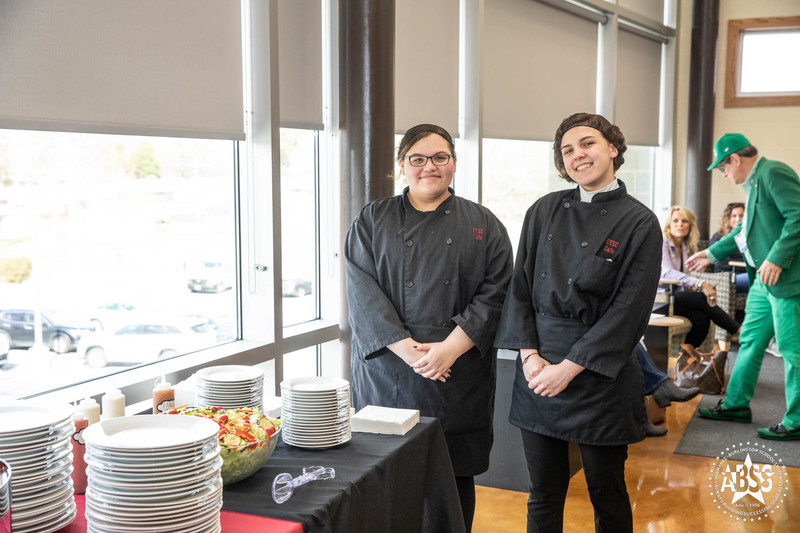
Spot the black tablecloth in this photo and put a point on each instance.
(383, 483)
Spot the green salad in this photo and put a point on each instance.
(247, 438)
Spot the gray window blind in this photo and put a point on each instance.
(540, 65)
(140, 67)
(300, 63)
(426, 64)
(637, 95)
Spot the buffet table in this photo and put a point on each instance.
(386, 483)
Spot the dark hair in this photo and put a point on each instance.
(747, 151)
(724, 226)
(419, 132)
(610, 132)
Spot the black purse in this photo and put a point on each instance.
(705, 371)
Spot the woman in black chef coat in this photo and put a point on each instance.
(584, 281)
(427, 272)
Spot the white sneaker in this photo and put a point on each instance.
(772, 349)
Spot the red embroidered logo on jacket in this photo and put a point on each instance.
(477, 234)
(610, 247)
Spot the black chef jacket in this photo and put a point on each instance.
(583, 287)
(450, 269)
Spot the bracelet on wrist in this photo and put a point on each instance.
(525, 360)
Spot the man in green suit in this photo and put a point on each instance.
(769, 239)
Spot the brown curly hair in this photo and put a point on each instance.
(724, 226)
(610, 132)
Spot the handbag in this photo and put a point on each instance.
(705, 371)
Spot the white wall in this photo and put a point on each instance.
(772, 129)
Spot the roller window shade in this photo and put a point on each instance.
(300, 63)
(426, 64)
(637, 95)
(540, 66)
(140, 67)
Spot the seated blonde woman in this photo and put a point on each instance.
(695, 299)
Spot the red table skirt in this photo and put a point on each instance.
(231, 522)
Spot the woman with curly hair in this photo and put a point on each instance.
(731, 216)
(695, 299)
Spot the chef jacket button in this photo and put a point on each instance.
(566, 315)
(569, 281)
(446, 211)
(448, 241)
(603, 212)
(444, 324)
(566, 204)
(544, 275)
(446, 282)
(409, 284)
(409, 243)
(550, 237)
(584, 244)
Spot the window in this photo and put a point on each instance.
(757, 73)
(112, 242)
(299, 224)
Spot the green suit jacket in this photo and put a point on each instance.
(773, 225)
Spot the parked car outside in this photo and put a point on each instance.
(112, 315)
(61, 337)
(296, 287)
(5, 345)
(210, 276)
(145, 341)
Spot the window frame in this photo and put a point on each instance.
(736, 30)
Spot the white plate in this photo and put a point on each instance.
(37, 458)
(147, 470)
(55, 513)
(52, 526)
(317, 446)
(43, 473)
(230, 373)
(65, 433)
(42, 506)
(9, 441)
(172, 525)
(121, 499)
(150, 432)
(25, 501)
(151, 519)
(25, 416)
(169, 457)
(192, 503)
(156, 481)
(42, 485)
(314, 384)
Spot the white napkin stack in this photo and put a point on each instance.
(386, 420)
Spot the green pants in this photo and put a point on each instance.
(767, 316)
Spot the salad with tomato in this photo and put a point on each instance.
(247, 438)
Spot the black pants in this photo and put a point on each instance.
(466, 494)
(694, 306)
(548, 468)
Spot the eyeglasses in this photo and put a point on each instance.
(421, 160)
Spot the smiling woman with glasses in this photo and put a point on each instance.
(427, 273)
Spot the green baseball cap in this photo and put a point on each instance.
(726, 145)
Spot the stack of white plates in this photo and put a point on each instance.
(315, 412)
(35, 442)
(229, 386)
(153, 473)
